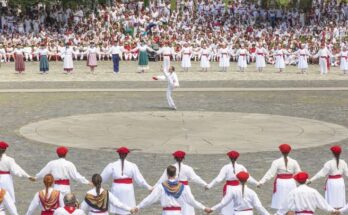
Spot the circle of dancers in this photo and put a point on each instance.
(291, 191)
(279, 56)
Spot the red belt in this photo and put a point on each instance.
(172, 208)
(304, 212)
(205, 54)
(99, 212)
(62, 182)
(47, 212)
(123, 181)
(166, 55)
(279, 55)
(184, 182)
(5, 172)
(327, 61)
(280, 176)
(248, 209)
(345, 57)
(260, 54)
(229, 183)
(187, 53)
(332, 177)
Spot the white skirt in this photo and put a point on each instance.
(344, 64)
(242, 61)
(224, 61)
(68, 62)
(186, 61)
(166, 62)
(335, 193)
(279, 63)
(260, 61)
(6, 182)
(63, 189)
(125, 193)
(284, 186)
(205, 62)
(302, 63)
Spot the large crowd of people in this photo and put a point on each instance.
(291, 192)
(202, 30)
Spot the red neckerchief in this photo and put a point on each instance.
(70, 210)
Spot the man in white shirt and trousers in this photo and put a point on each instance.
(116, 52)
(173, 82)
(324, 56)
(172, 194)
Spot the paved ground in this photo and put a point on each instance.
(20, 109)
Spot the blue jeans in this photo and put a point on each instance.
(116, 62)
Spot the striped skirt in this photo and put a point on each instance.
(19, 63)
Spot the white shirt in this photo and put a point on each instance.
(8, 164)
(159, 194)
(227, 173)
(172, 79)
(130, 170)
(250, 200)
(330, 168)
(166, 51)
(116, 50)
(62, 211)
(112, 201)
(304, 198)
(278, 167)
(36, 202)
(62, 169)
(186, 174)
(8, 204)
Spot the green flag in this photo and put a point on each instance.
(146, 3)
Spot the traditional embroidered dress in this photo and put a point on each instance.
(43, 53)
(92, 57)
(19, 60)
(143, 56)
(6, 203)
(344, 60)
(48, 204)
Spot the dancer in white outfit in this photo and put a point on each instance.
(279, 56)
(302, 56)
(122, 173)
(242, 55)
(324, 56)
(224, 58)
(261, 54)
(205, 54)
(184, 175)
(343, 55)
(167, 52)
(334, 170)
(283, 168)
(173, 82)
(6, 203)
(243, 198)
(186, 53)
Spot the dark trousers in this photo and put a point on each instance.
(116, 61)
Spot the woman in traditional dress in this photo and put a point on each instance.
(205, 54)
(19, 59)
(284, 168)
(302, 56)
(48, 199)
(242, 54)
(123, 173)
(228, 174)
(224, 58)
(334, 170)
(279, 56)
(98, 200)
(43, 56)
(261, 54)
(92, 56)
(143, 56)
(186, 53)
(184, 174)
(344, 60)
(67, 54)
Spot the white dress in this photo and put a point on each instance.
(324, 60)
(228, 174)
(344, 60)
(242, 58)
(205, 58)
(260, 57)
(279, 59)
(67, 55)
(302, 56)
(224, 57)
(335, 193)
(284, 181)
(186, 57)
(122, 186)
(9, 167)
(186, 175)
(8, 204)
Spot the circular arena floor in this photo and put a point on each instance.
(194, 132)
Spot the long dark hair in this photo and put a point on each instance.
(97, 181)
(285, 155)
(233, 161)
(122, 157)
(179, 160)
(2, 151)
(337, 156)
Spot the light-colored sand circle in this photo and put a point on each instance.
(194, 132)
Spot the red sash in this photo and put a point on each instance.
(123, 181)
(70, 210)
(332, 177)
(5, 172)
(304, 212)
(172, 208)
(280, 176)
(47, 212)
(229, 183)
(261, 54)
(327, 61)
(62, 182)
(248, 209)
(184, 182)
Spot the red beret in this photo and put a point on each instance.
(62, 151)
(301, 177)
(3, 145)
(123, 150)
(336, 150)
(179, 154)
(243, 176)
(285, 148)
(233, 154)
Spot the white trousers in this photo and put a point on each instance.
(169, 96)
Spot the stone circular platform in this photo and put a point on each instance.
(194, 132)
